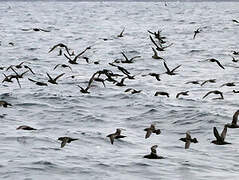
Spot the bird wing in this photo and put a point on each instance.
(58, 76)
(49, 76)
(54, 47)
(194, 35)
(187, 144)
(67, 57)
(148, 133)
(188, 136)
(235, 117)
(219, 64)
(208, 94)
(165, 65)
(63, 143)
(126, 58)
(154, 42)
(18, 82)
(56, 66)
(176, 68)
(31, 80)
(224, 133)
(216, 134)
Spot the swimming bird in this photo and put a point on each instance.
(36, 29)
(133, 91)
(155, 56)
(121, 33)
(197, 31)
(127, 60)
(193, 82)
(62, 65)
(161, 93)
(188, 140)
(230, 84)
(153, 154)
(116, 135)
(183, 93)
(220, 140)
(4, 104)
(24, 127)
(151, 130)
(215, 92)
(208, 81)
(170, 72)
(53, 81)
(234, 124)
(38, 82)
(66, 140)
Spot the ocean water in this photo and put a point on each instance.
(62, 110)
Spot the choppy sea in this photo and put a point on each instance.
(62, 110)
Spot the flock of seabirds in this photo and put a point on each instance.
(158, 42)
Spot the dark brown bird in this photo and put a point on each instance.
(53, 81)
(116, 135)
(36, 29)
(151, 130)
(220, 140)
(188, 140)
(121, 33)
(234, 124)
(73, 61)
(65, 140)
(121, 83)
(193, 82)
(218, 63)
(161, 93)
(155, 56)
(208, 81)
(215, 92)
(159, 47)
(127, 60)
(183, 93)
(156, 75)
(62, 65)
(38, 82)
(153, 154)
(4, 103)
(197, 31)
(61, 45)
(24, 127)
(234, 59)
(27, 67)
(235, 21)
(133, 91)
(170, 72)
(230, 84)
